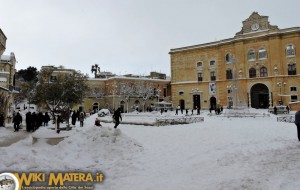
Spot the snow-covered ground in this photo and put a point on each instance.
(220, 153)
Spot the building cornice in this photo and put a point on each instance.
(240, 37)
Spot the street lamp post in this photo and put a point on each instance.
(114, 88)
(157, 94)
(280, 85)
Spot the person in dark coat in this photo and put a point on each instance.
(17, 120)
(58, 121)
(198, 110)
(297, 123)
(74, 117)
(117, 116)
(40, 120)
(28, 122)
(34, 121)
(46, 119)
(1, 120)
(287, 109)
(275, 110)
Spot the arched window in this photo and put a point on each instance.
(251, 55)
(262, 53)
(252, 73)
(263, 72)
(199, 64)
(290, 50)
(227, 58)
(212, 63)
(292, 69)
(229, 74)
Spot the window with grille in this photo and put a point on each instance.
(251, 55)
(294, 98)
(212, 76)
(290, 50)
(293, 89)
(263, 72)
(229, 74)
(199, 64)
(292, 69)
(200, 77)
(252, 73)
(262, 53)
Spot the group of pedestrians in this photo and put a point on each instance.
(77, 115)
(35, 120)
(187, 110)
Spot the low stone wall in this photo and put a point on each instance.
(295, 106)
(49, 140)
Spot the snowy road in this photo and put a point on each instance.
(222, 153)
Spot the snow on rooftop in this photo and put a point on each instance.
(5, 57)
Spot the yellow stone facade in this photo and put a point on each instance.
(107, 93)
(259, 67)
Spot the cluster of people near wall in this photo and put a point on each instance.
(77, 115)
(186, 110)
(33, 120)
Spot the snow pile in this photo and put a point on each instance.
(92, 148)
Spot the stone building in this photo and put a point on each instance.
(7, 72)
(259, 67)
(127, 92)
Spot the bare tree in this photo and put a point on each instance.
(63, 92)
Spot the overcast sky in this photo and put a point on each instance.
(125, 36)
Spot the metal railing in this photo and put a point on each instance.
(288, 119)
(178, 121)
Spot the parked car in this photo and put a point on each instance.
(103, 112)
(280, 109)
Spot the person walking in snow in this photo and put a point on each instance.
(28, 122)
(117, 116)
(17, 120)
(81, 119)
(46, 119)
(275, 110)
(287, 109)
(297, 123)
(74, 117)
(198, 110)
(1, 120)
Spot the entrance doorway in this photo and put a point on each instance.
(196, 101)
(182, 104)
(259, 96)
(95, 107)
(213, 103)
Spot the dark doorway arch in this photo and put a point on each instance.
(95, 107)
(196, 101)
(259, 96)
(182, 104)
(122, 106)
(213, 102)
